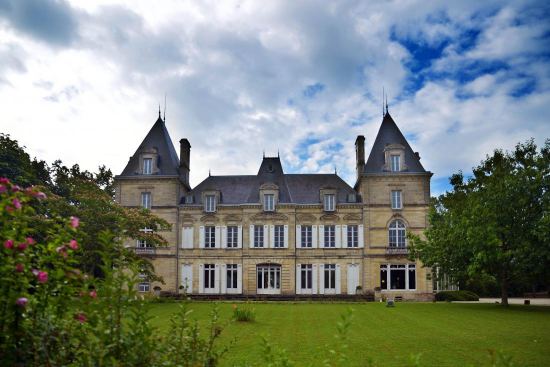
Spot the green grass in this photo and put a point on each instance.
(446, 334)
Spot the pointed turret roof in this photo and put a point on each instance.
(388, 134)
(157, 138)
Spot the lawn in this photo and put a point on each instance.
(445, 334)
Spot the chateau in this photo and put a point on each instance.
(283, 234)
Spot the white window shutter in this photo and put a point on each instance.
(271, 235)
(285, 244)
(314, 274)
(217, 278)
(344, 236)
(298, 278)
(201, 278)
(298, 236)
(251, 237)
(338, 235)
(240, 237)
(321, 278)
(361, 236)
(266, 236)
(338, 279)
(321, 236)
(239, 278)
(223, 279)
(217, 240)
(187, 278)
(224, 237)
(201, 237)
(314, 236)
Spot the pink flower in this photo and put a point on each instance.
(22, 246)
(40, 195)
(80, 317)
(62, 250)
(93, 294)
(16, 203)
(8, 244)
(19, 268)
(42, 276)
(3, 189)
(22, 301)
(4, 180)
(73, 244)
(31, 241)
(75, 222)
(15, 188)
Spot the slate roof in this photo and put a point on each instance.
(293, 188)
(389, 133)
(158, 137)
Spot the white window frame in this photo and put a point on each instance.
(329, 202)
(269, 202)
(329, 235)
(352, 235)
(268, 279)
(144, 287)
(209, 237)
(259, 236)
(396, 199)
(395, 162)
(146, 200)
(232, 277)
(210, 203)
(386, 269)
(211, 286)
(143, 243)
(330, 271)
(279, 236)
(306, 277)
(306, 238)
(397, 234)
(232, 236)
(147, 166)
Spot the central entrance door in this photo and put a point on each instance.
(269, 279)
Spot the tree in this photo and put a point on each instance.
(495, 223)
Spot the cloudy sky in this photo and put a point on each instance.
(82, 80)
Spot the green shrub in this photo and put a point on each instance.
(450, 296)
(244, 313)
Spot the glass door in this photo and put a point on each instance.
(269, 279)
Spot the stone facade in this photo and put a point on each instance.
(275, 233)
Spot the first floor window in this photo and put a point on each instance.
(258, 236)
(396, 199)
(329, 202)
(143, 243)
(146, 200)
(279, 236)
(232, 236)
(330, 236)
(147, 166)
(269, 202)
(398, 277)
(209, 237)
(353, 233)
(330, 276)
(397, 234)
(306, 236)
(210, 203)
(144, 287)
(209, 276)
(306, 276)
(231, 276)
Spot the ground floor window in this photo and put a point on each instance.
(269, 278)
(144, 287)
(306, 276)
(398, 277)
(330, 276)
(231, 282)
(209, 276)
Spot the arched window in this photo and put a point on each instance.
(397, 233)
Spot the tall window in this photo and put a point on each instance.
(397, 234)
(306, 276)
(147, 166)
(209, 276)
(210, 203)
(232, 236)
(353, 235)
(146, 200)
(395, 163)
(209, 237)
(307, 236)
(399, 277)
(269, 279)
(329, 202)
(396, 199)
(330, 276)
(279, 236)
(258, 236)
(231, 277)
(269, 202)
(330, 236)
(143, 243)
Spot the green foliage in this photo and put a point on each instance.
(495, 223)
(456, 296)
(244, 313)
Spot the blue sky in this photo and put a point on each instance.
(82, 81)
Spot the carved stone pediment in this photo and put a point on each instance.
(352, 217)
(330, 217)
(269, 186)
(209, 218)
(261, 217)
(233, 218)
(187, 218)
(301, 218)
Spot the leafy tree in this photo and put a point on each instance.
(495, 223)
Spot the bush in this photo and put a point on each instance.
(450, 296)
(244, 314)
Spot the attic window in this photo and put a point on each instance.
(329, 202)
(269, 202)
(395, 163)
(210, 203)
(147, 166)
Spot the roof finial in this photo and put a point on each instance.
(335, 170)
(278, 156)
(264, 153)
(209, 172)
(159, 111)
(386, 104)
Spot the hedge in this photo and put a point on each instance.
(456, 296)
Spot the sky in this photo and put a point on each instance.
(82, 81)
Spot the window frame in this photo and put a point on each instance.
(144, 287)
(397, 234)
(396, 199)
(209, 276)
(353, 235)
(143, 243)
(209, 237)
(269, 202)
(329, 273)
(210, 203)
(259, 236)
(329, 234)
(232, 236)
(147, 166)
(395, 162)
(329, 202)
(232, 277)
(306, 276)
(146, 200)
(279, 236)
(409, 273)
(306, 236)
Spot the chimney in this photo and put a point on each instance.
(359, 155)
(185, 157)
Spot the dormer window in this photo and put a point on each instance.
(147, 166)
(269, 202)
(395, 163)
(329, 202)
(210, 203)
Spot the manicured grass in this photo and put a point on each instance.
(445, 334)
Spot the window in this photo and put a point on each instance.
(396, 199)
(395, 163)
(231, 282)
(232, 236)
(306, 276)
(143, 243)
(144, 287)
(258, 236)
(397, 234)
(209, 237)
(269, 202)
(329, 201)
(353, 236)
(210, 203)
(269, 279)
(147, 166)
(330, 276)
(398, 277)
(146, 200)
(330, 236)
(279, 236)
(307, 236)
(209, 276)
